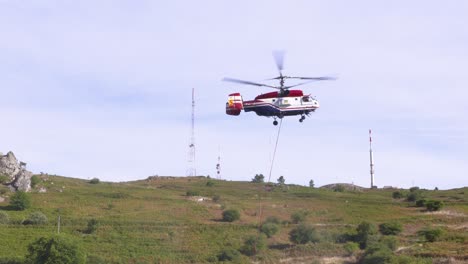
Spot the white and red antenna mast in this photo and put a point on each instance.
(191, 171)
(371, 159)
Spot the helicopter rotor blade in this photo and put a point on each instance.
(323, 78)
(291, 86)
(247, 82)
(278, 55)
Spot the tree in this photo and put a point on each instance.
(94, 181)
(299, 216)
(303, 234)
(55, 249)
(281, 180)
(269, 229)
(35, 180)
(93, 224)
(311, 184)
(231, 215)
(253, 244)
(432, 205)
(397, 195)
(364, 231)
(259, 178)
(20, 201)
(431, 235)
(390, 229)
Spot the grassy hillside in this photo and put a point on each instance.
(154, 221)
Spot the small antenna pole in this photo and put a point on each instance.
(371, 159)
(218, 165)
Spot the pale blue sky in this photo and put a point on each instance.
(102, 88)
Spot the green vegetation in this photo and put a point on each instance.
(4, 178)
(269, 229)
(36, 218)
(253, 245)
(94, 181)
(281, 180)
(56, 249)
(432, 205)
(390, 229)
(259, 178)
(4, 218)
(35, 180)
(303, 234)
(154, 221)
(299, 216)
(231, 215)
(431, 234)
(20, 201)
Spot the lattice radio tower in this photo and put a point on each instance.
(192, 171)
(218, 165)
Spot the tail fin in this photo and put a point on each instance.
(234, 104)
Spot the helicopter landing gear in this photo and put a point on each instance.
(302, 119)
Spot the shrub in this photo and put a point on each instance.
(378, 256)
(390, 242)
(339, 188)
(216, 198)
(259, 178)
(11, 260)
(351, 248)
(231, 215)
(210, 183)
(36, 218)
(229, 255)
(303, 234)
(364, 232)
(4, 189)
(432, 205)
(35, 180)
(421, 203)
(397, 195)
(93, 225)
(392, 228)
(281, 180)
(4, 178)
(413, 196)
(192, 193)
(273, 220)
(299, 216)
(94, 181)
(311, 184)
(55, 249)
(269, 229)
(431, 234)
(253, 245)
(20, 201)
(4, 218)
(414, 189)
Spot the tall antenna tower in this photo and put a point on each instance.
(218, 166)
(371, 159)
(191, 171)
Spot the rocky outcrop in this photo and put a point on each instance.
(17, 177)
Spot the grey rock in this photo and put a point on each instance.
(19, 179)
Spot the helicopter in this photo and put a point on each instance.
(277, 104)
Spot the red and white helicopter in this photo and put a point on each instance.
(278, 104)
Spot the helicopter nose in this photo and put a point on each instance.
(316, 103)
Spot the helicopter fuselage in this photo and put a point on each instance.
(273, 104)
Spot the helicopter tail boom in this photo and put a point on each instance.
(234, 104)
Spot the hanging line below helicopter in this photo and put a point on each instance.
(260, 216)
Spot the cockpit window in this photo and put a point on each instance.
(305, 99)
